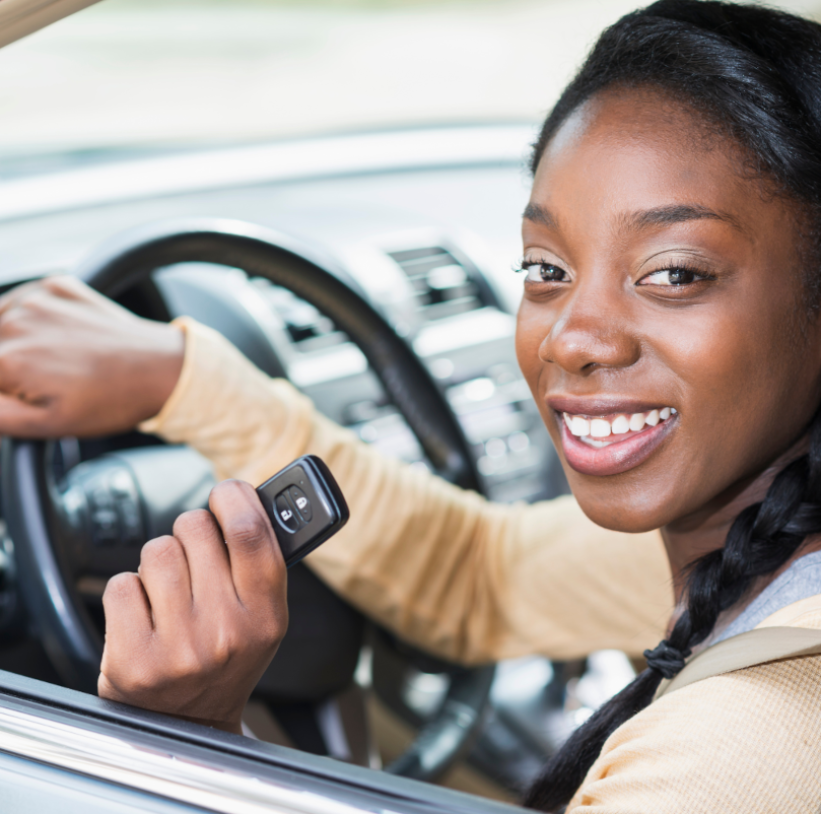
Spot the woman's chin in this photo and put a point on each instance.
(620, 518)
(623, 507)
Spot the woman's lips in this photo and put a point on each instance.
(613, 454)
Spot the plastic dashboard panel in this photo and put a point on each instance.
(94, 755)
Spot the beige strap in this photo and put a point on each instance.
(749, 649)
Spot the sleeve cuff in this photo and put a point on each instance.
(153, 426)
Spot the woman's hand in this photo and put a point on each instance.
(191, 634)
(75, 363)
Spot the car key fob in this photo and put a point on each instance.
(305, 505)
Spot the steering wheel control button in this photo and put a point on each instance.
(101, 506)
(104, 527)
(303, 505)
(286, 514)
(121, 484)
(131, 523)
(99, 495)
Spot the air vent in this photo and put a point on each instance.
(442, 284)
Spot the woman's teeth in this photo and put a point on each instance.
(598, 428)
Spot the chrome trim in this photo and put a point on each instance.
(284, 161)
(116, 760)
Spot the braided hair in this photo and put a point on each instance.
(755, 73)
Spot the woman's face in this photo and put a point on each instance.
(662, 330)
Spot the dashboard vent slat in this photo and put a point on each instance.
(443, 286)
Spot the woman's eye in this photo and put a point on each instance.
(544, 273)
(674, 276)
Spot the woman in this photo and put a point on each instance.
(670, 334)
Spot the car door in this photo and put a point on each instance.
(68, 752)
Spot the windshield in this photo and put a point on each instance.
(140, 74)
(137, 75)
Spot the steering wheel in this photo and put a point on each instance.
(89, 522)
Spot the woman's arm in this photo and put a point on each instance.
(444, 568)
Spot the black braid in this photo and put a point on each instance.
(762, 538)
(756, 72)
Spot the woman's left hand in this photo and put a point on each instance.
(191, 634)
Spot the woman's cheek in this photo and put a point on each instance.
(533, 324)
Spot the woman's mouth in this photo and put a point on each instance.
(616, 442)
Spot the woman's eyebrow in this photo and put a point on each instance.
(658, 216)
(676, 213)
(539, 214)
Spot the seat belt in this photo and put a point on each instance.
(759, 646)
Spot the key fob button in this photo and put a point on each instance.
(285, 514)
(303, 505)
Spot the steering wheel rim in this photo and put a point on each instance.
(68, 634)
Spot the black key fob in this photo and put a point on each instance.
(305, 505)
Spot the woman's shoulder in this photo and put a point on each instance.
(804, 613)
(743, 741)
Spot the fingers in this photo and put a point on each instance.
(127, 624)
(95, 367)
(27, 322)
(193, 633)
(201, 538)
(167, 582)
(126, 607)
(63, 286)
(69, 287)
(43, 296)
(34, 292)
(128, 627)
(11, 298)
(18, 378)
(257, 567)
(21, 419)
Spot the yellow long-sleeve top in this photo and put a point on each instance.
(475, 582)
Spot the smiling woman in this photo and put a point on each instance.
(669, 329)
(670, 333)
(704, 299)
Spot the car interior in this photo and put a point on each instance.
(373, 270)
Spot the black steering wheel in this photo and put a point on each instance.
(89, 522)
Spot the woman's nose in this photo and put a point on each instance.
(588, 335)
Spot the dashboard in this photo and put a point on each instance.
(426, 225)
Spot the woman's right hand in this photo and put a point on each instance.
(72, 362)
(192, 632)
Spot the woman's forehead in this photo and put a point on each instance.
(627, 153)
(642, 114)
